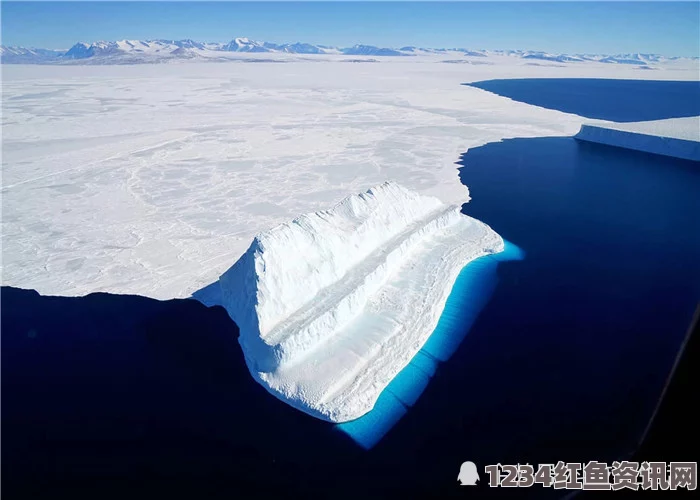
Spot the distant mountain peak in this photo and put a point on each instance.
(144, 51)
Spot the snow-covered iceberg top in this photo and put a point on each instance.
(675, 137)
(332, 305)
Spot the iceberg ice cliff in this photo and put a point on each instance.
(674, 137)
(332, 305)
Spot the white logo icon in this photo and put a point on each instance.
(468, 475)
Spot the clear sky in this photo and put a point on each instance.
(669, 28)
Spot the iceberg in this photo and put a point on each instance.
(674, 137)
(334, 304)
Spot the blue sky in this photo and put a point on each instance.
(670, 28)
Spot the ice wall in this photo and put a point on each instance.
(678, 137)
(332, 305)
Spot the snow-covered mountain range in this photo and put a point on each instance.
(152, 51)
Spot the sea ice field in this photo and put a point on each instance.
(154, 179)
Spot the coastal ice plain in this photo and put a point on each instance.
(332, 305)
(152, 179)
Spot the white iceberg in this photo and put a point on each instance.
(332, 305)
(674, 137)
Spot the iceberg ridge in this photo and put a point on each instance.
(332, 305)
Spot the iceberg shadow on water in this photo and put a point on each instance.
(470, 294)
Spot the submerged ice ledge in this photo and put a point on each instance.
(675, 137)
(333, 305)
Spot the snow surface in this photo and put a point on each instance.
(676, 137)
(332, 305)
(154, 179)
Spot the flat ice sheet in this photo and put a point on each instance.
(153, 179)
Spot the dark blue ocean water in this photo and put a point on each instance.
(564, 362)
(616, 100)
(556, 352)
